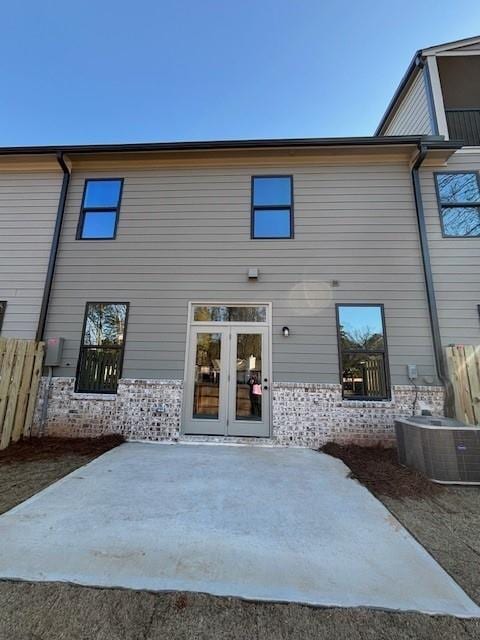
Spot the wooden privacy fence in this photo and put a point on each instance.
(464, 371)
(20, 371)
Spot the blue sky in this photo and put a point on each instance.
(159, 70)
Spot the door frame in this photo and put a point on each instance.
(191, 324)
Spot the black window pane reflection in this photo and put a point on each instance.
(363, 375)
(99, 369)
(458, 187)
(206, 395)
(363, 359)
(224, 313)
(3, 307)
(248, 392)
(361, 327)
(105, 324)
(461, 221)
(269, 191)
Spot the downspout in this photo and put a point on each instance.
(42, 319)
(448, 406)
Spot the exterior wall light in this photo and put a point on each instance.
(286, 332)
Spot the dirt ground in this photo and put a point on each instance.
(28, 467)
(445, 520)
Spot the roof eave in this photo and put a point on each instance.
(412, 67)
(223, 145)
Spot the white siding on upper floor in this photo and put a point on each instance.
(412, 116)
(455, 263)
(28, 206)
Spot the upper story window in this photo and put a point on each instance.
(363, 351)
(459, 203)
(100, 207)
(272, 207)
(101, 350)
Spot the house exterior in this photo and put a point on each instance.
(440, 95)
(282, 291)
(29, 194)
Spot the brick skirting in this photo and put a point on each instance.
(303, 414)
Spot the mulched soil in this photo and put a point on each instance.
(378, 469)
(35, 449)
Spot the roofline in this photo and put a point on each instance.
(418, 61)
(415, 63)
(365, 141)
(463, 42)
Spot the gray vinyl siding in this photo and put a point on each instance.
(28, 206)
(455, 264)
(412, 115)
(470, 47)
(184, 235)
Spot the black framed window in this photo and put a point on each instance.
(459, 203)
(363, 351)
(100, 208)
(3, 308)
(272, 207)
(101, 350)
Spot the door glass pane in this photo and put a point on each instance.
(206, 395)
(224, 313)
(249, 377)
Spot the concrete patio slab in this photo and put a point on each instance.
(257, 523)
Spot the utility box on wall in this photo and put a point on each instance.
(54, 351)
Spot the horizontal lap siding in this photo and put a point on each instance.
(412, 116)
(28, 206)
(455, 263)
(184, 234)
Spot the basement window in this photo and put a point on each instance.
(100, 209)
(363, 352)
(272, 207)
(459, 203)
(102, 347)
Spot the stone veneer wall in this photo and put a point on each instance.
(140, 410)
(303, 414)
(324, 415)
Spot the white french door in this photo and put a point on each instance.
(228, 381)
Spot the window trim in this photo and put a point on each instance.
(265, 207)
(453, 205)
(84, 210)
(3, 310)
(121, 348)
(383, 352)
